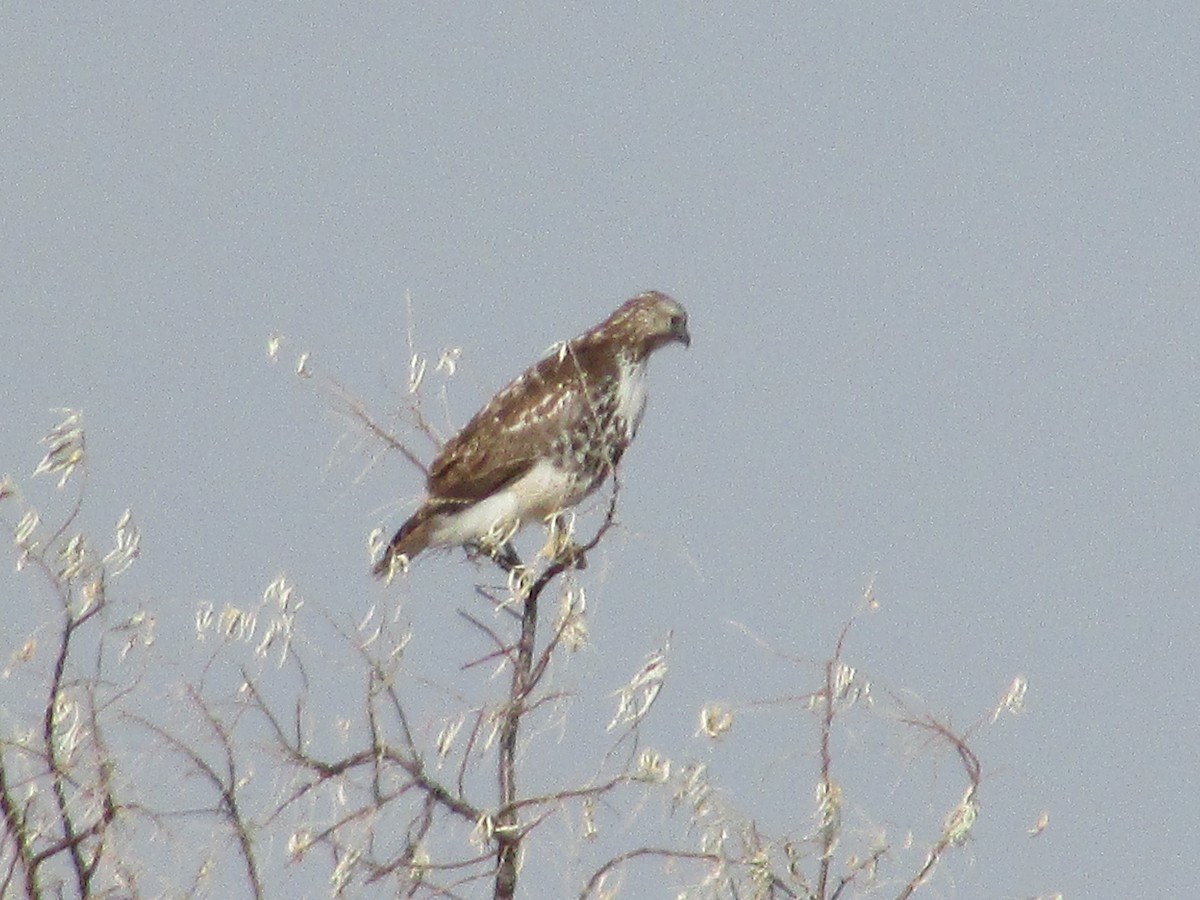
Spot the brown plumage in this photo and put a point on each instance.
(548, 439)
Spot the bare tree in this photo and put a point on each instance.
(374, 798)
(57, 790)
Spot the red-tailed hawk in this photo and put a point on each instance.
(548, 439)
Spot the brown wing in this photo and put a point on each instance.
(517, 428)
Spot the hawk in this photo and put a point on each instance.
(547, 440)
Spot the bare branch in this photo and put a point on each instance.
(661, 852)
(226, 784)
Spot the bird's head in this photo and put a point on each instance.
(651, 320)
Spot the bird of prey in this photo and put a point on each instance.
(547, 440)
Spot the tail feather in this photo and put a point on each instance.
(411, 539)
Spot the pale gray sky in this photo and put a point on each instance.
(941, 268)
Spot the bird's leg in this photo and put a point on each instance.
(560, 545)
(497, 546)
(506, 556)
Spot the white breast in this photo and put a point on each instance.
(631, 396)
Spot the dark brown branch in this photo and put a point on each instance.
(950, 837)
(18, 832)
(829, 800)
(226, 785)
(370, 757)
(507, 834)
(406, 859)
(524, 679)
(598, 875)
(575, 793)
(72, 836)
(354, 407)
(480, 717)
(863, 866)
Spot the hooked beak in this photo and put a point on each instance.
(680, 333)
